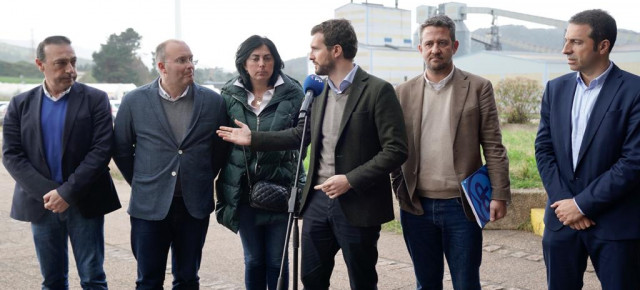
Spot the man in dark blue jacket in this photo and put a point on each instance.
(58, 139)
(588, 155)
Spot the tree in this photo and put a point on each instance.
(21, 68)
(117, 62)
(517, 98)
(212, 75)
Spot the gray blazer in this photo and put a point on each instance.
(151, 160)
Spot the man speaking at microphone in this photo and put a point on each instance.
(357, 137)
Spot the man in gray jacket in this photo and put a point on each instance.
(167, 149)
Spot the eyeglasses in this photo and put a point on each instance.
(185, 60)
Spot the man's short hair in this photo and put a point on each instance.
(440, 21)
(603, 26)
(160, 52)
(338, 32)
(56, 39)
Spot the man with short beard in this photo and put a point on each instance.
(58, 139)
(450, 115)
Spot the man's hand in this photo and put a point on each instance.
(54, 202)
(239, 136)
(567, 211)
(582, 224)
(497, 209)
(335, 186)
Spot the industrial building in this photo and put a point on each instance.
(387, 47)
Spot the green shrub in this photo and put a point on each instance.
(517, 98)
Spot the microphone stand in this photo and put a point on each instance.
(293, 216)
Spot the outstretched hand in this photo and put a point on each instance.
(239, 136)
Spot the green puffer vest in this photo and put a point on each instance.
(276, 166)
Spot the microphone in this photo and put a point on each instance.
(312, 86)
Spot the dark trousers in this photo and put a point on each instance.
(617, 263)
(325, 230)
(150, 243)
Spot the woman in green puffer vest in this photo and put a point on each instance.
(266, 100)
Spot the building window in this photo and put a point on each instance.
(387, 39)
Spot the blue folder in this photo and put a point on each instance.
(477, 190)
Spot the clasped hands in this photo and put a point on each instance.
(54, 202)
(568, 213)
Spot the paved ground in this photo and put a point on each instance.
(511, 259)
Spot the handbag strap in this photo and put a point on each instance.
(246, 165)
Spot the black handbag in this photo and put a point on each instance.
(267, 195)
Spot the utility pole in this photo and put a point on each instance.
(178, 20)
(33, 45)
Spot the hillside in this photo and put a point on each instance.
(296, 68)
(521, 38)
(13, 53)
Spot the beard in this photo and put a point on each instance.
(325, 69)
(439, 66)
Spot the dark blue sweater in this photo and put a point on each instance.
(52, 117)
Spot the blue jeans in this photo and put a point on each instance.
(50, 234)
(262, 245)
(443, 228)
(151, 240)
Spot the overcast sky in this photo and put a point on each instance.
(214, 29)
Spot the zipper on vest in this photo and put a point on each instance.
(242, 103)
(257, 152)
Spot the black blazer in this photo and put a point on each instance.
(372, 142)
(87, 143)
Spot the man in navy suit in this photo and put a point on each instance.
(58, 139)
(588, 155)
(167, 149)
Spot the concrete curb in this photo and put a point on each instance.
(518, 212)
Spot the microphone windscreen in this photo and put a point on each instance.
(313, 83)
